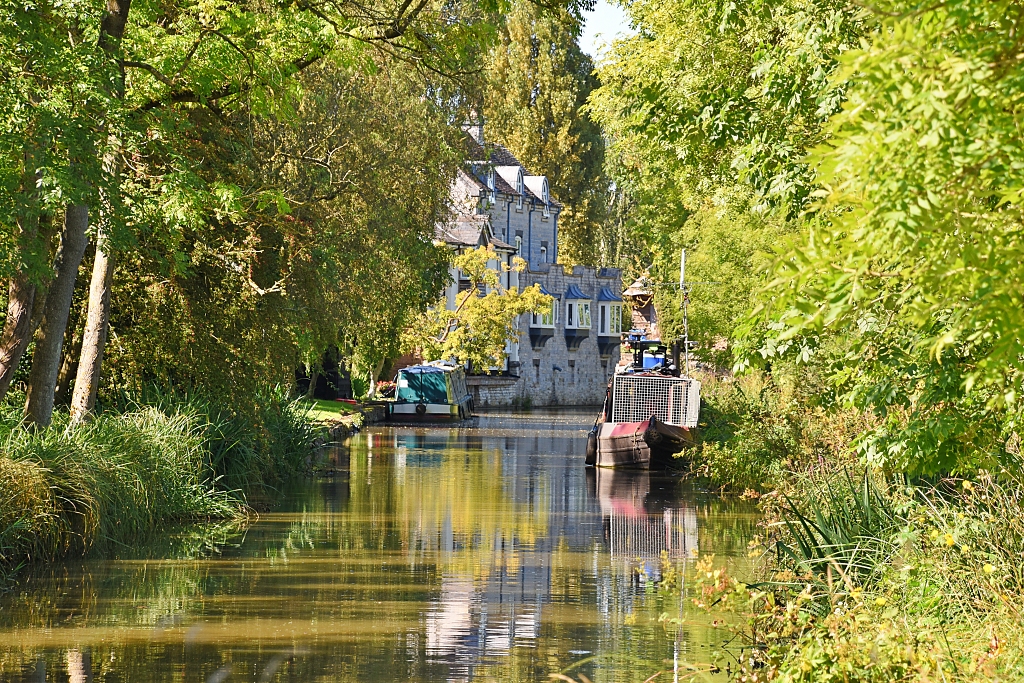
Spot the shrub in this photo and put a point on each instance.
(754, 428)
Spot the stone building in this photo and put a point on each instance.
(566, 356)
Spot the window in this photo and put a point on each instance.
(546, 199)
(570, 319)
(610, 320)
(520, 189)
(548, 317)
(491, 194)
(583, 316)
(519, 245)
(543, 254)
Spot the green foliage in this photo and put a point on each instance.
(128, 472)
(879, 581)
(756, 429)
(538, 82)
(485, 315)
(913, 250)
(728, 249)
(711, 107)
(66, 490)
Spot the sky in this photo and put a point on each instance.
(603, 24)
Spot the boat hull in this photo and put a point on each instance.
(666, 440)
(428, 412)
(619, 444)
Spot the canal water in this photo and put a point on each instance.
(481, 553)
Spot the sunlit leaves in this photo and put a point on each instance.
(921, 232)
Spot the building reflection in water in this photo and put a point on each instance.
(498, 601)
(479, 553)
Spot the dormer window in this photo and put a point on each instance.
(577, 317)
(609, 321)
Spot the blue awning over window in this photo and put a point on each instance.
(607, 295)
(544, 290)
(574, 292)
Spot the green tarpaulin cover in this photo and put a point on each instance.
(426, 387)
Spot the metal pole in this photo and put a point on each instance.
(686, 324)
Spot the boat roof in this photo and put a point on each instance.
(432, 366)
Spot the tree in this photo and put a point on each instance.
(484, 319)
(710, 108)
(538, 81)
(913, 251)
(48, 105)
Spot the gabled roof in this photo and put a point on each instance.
(574, 292)
(499, 156)
(638, 288)
(470, 230)
(464, 230)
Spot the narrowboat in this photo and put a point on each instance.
(432, 392)
(649, 415)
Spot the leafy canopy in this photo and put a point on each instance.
(485, 315)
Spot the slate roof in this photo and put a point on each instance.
(463, 230)
(574, 292)
(469, 230)
(498, 155)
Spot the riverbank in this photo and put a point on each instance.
(863, 575)
(68, 490)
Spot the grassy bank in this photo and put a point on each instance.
(65, 490)
(864, 575)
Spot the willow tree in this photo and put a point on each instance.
(538, 82)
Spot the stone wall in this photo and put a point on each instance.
(492, 391)
(537, 233)
(554, 375)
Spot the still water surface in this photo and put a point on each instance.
(483, 553)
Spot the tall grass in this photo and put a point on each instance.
(67, 489)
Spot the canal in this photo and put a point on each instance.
(486, 552)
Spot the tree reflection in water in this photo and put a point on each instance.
(485, 552)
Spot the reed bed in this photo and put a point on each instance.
(67, 489)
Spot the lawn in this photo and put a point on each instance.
(327, 411)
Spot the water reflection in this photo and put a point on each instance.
(479, 553)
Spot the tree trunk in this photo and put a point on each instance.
(94, 339)
(69, 367)
(371, 392)
(17, 328)
(314, 375)
(50, 336)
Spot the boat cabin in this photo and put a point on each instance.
(429, 392)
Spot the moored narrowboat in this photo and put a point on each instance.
(650, 412)
(432, 392)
